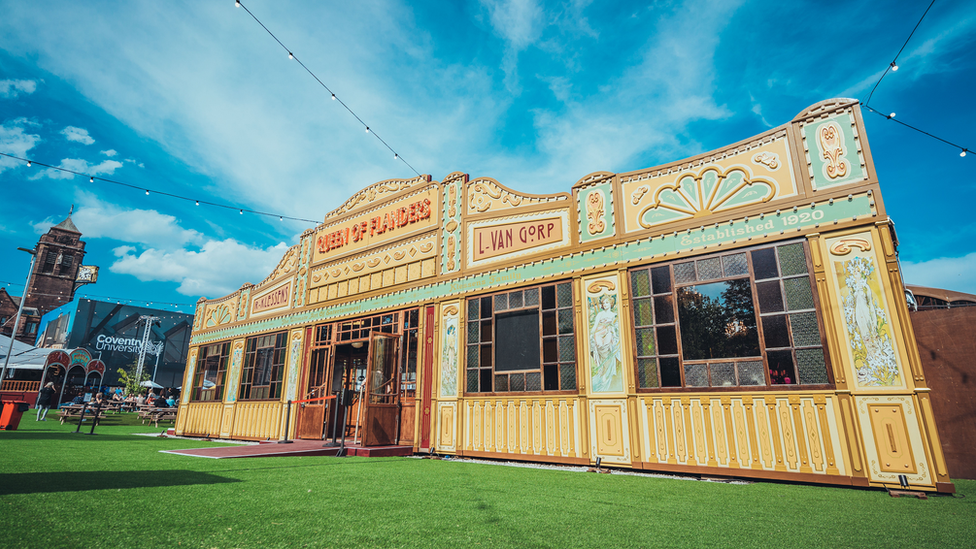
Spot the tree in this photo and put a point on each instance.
(127, 376)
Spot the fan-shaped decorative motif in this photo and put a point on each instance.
(706, 193)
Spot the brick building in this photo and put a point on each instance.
(58, 256)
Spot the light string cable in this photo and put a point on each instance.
(963, 152)
(291, 55)
(893, 66)
(93, 178)
(104, 297)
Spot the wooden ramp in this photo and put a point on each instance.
(294, 448)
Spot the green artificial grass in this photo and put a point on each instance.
(115, 489)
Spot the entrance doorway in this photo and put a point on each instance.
(374, 359)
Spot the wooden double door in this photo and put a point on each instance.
(379, 408)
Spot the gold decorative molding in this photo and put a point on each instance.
(450, 310)
(485, 194)
(377, 191)
(768, 159)
(843, 247)
(638, 194)
(831, 141)
(594, 212)
(600, 285)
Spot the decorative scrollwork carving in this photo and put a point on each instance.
(768, 159)
(832, 150)
(638, 194)
(843, 247)
(594, 212)
(426, 247)
(372, 262)
(358, 266)
(450, 310)
(599, 285)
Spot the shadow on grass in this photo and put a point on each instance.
(80, 481)
(63, 435)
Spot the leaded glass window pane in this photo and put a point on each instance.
(798, 293)
(474, 329)
(792, 260)
(567, 349)
(533, 381)
(696, 375)
(661, 280)
(811, 365)
(805, 330)
(751, 373)
(567, 376)
(640, 283)
(684, 272)
(723, 374)
(647, 373)
(565, 295)
(515, 300)
(735, 265)
(642, 312)
(710, 269)
(565, 321)
(645, 341)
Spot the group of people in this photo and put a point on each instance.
(47, 398)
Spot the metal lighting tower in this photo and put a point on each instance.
(145, 340)
(13, 332)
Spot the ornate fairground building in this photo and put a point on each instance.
(739, 313)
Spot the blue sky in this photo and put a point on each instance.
(194, 98)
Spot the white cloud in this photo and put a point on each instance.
(105, 167)
(79, 135)
(948, 273)
(13, 140)
(110, 153)
(146, 228)
(218, 268)
(10, 89)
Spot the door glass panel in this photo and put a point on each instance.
(382, 384)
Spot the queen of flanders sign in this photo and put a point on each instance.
(369, 229)
(495, 240)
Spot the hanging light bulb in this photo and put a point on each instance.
(395, 156)
(281, 218)
(198, 202)
(290, 56)
(237, 3)
(242, 212)
(28, 163)
(333, 97)
(367, 129)
(91, 179)
(147, 192)
(894, 66)
(892, 115)
(963, 153)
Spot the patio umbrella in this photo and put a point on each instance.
(151, 384)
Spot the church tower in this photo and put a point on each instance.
(58, 256)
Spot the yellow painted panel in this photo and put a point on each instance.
(891, 438)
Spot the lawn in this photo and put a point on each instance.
(115, 489)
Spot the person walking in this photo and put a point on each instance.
(44, 401)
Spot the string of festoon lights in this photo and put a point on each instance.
(110, 299)
(149, 191)
(293, 57)
(893, 67)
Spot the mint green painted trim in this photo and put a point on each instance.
(754, 229)
(851, 146)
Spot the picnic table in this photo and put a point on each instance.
(155, 415)
(74, 410)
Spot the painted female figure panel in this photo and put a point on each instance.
(606, 368)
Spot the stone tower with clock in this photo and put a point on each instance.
(58, 258)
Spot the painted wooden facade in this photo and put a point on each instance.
(781, 241)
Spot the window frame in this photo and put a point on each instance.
(758, 311)
(275, 367)
(560, 369)
(198, 393)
